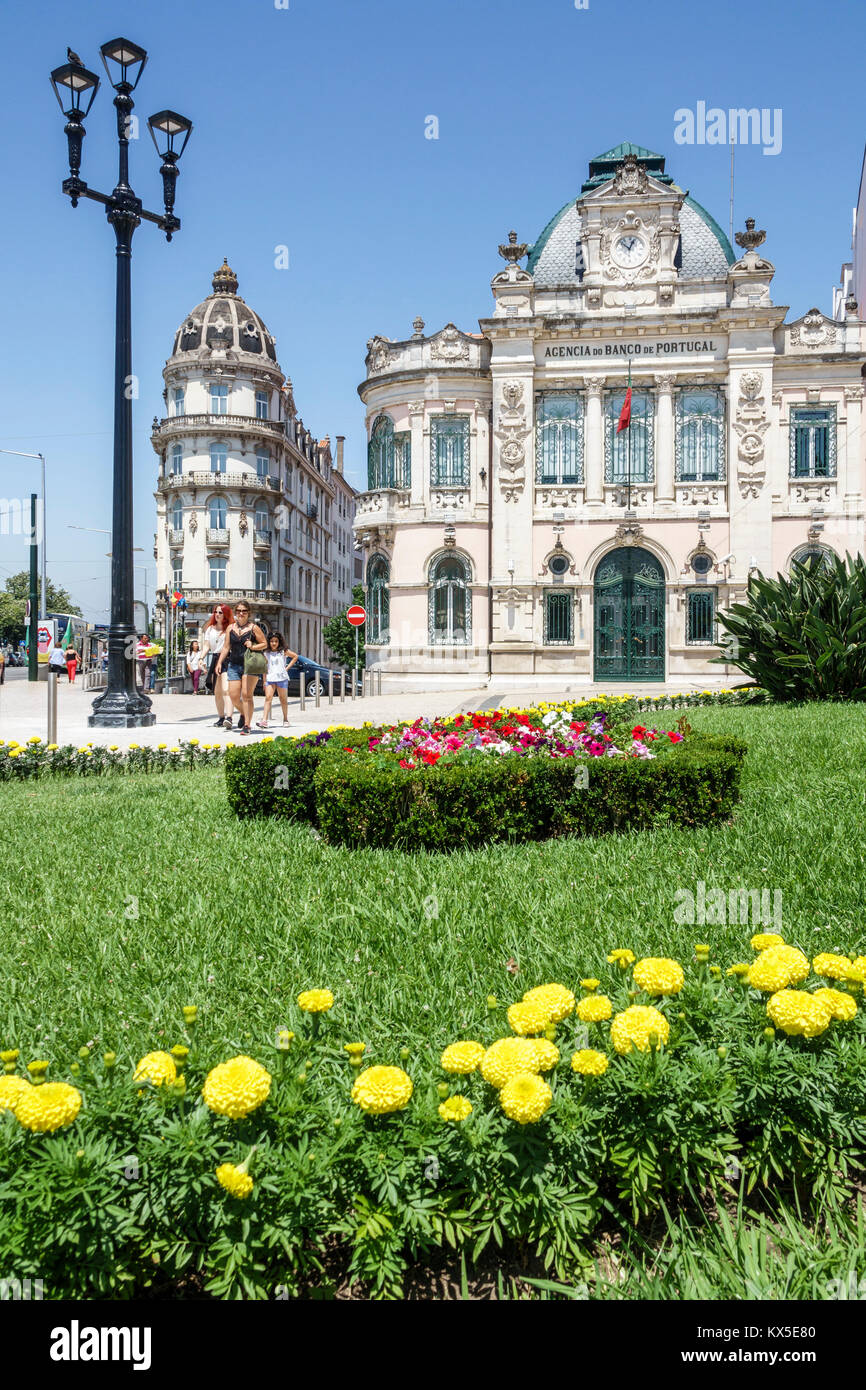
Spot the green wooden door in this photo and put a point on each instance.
(629, 619)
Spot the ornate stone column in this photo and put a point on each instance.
(418, 459)
(594, 451)
(854, 413)
(664, 454)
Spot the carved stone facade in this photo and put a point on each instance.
(518, 498)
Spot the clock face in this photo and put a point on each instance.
(629, 250)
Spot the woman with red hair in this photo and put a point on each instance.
(212, 642)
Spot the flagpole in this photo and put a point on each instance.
(628, 449)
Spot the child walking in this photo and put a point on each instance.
(277, 677)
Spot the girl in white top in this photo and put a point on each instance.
(277, 677)
(194, 664)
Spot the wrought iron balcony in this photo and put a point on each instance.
(262, 539)
(175, 536)
(217, 536)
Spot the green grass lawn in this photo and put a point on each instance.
(125, 897)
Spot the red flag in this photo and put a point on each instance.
(625, 413)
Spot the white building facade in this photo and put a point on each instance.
(246, 496)
(509, 528)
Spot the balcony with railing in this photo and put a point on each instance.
(262, 539)
(263, 598)
(213, 424)
(175, 536)
(204, 477)
(217, 537)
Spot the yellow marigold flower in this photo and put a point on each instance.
(595, 1009)
(840, 1004)
(765, 939)
(635, 1026)
(525, 1098)
(588, 1062)
(798, 1013)
(316, 1001)
(236, 1088)
(590, 985)
(658, 975)
(51, 747)
(382, 1090)
(547, 1053)
(832, 967)
(43, 1109)
(34, 738)
(858, 969)
(456, 1108)
(509, 1057)
(739, 969)
(235, 1179)
(556, 1000)
(622, 958)
(777, 967)
(156, 1067)
(193, 742)
(38, 1068)
(356, 1051)
(527, 1017)
(11, 1090)
(462, 1057)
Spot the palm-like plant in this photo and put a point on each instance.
(803, 637)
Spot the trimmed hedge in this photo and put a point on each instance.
(359, 799)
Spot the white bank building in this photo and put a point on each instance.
(509, 529)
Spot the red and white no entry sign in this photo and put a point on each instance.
(356, 615)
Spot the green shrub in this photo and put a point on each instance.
(364, 800)
(803, 637)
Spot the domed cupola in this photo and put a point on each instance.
(223, 325)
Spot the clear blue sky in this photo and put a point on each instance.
(309, 131)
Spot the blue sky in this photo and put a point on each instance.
(310, 132)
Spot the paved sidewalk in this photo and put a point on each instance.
(23, 710)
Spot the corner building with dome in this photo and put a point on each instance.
(509, 528)
(250, 504)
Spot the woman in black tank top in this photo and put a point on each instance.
(241, 637)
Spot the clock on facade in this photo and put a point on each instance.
(629, 250)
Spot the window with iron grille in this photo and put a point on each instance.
(813, 441)
(700, 437)
(449, 450)
(557, 618)
(450, 601)
(378, 599)
(639, 432)
(559, 438)
(389, 456)
(701, 618)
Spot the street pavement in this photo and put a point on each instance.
(24, 708)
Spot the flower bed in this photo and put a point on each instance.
(482, 778)
(654, 1083)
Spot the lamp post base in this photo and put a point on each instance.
(121, 709)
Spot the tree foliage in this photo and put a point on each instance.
(13, 601)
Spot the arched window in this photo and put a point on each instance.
(378, 600)
(177, 515)
(177, 458)
(388, 456)
(450, 612)
(218, 458)
(700, 434)
(813, 557)
(217, 513)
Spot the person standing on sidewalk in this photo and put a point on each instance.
(242, 639)
(72, 660)
(277, 677)
(213, 640)
(194, 664)
(57, 659)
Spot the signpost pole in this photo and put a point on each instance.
(33, 627)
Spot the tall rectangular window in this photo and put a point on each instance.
(557, 618)
(700, 437)
(179, 399)
(559, 439)
(261, 405)
(177, 577)
(449, 450)
(261, 574)
(813, 441)
(177, 458)
(219, 398)
(701, 618)
(218, 458)
(631, 450)
(263, 463)
(217, 567)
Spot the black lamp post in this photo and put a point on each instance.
(121, 705)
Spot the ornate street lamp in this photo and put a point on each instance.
(121, 705)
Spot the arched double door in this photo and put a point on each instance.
(629, 617)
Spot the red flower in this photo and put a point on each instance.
(430, 757)
(674, 737)
(579, 727)
(348, 750)
(404, 762)
(638, 731)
